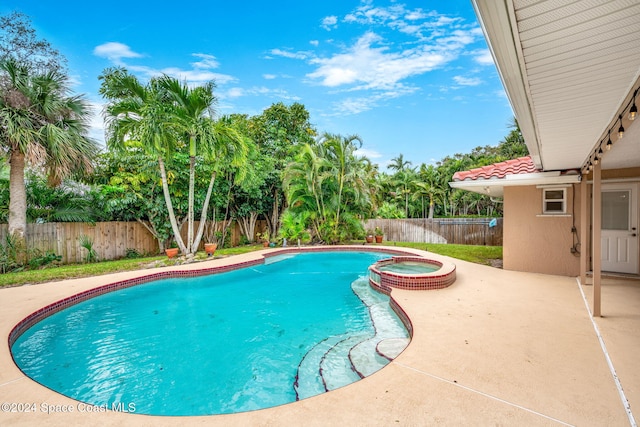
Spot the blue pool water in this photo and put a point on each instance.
(230, 342)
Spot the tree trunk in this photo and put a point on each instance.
(167, 200)
(275, 215)
(203, 217)
(191, 215)
(17, 198)
(248, 225)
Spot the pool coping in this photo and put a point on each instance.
(384, 281)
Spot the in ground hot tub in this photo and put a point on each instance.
(411, 272)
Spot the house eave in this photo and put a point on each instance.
(494, 187)
(498, 23)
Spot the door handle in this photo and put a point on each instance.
(633, 234)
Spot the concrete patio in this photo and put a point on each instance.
(495, 348)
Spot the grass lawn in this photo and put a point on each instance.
(486, 255)
(478, 254)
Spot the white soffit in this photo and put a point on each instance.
(495, 186)
(567, 67)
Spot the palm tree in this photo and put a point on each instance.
(330, 183)
(345, 168)
(303, 182)
(141, 112)
(162, 115)
(40, 125)
(403, 181)
(399, 163)
(193, 120)
(227, 148)
(429, 186)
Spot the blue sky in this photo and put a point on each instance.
(409, 77)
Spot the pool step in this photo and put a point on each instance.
(367, 294)
(343, 359)
(364, 356)
(308, 380)
(392, 347)
(336, 369)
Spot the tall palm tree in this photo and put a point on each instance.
(227, 148)
(429, 185)
(193, 120)
(166, 115)
(142, 113)
(340, 151)
(41, 125)
(403, 181)
(399, 163)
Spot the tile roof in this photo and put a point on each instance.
(517, 166)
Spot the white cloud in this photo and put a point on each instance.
(354, 106)
(269, 76)
(424, 41)
(377, 67)
(234, 92)
(314, 42)
(483, 57)
(329, 22)
(287, 54)
(200, 73)
(115, 51)
(197, 76)
(237, 92)
(207, 62)
(371, 154)
(467, 81)
(414, 15)
(415, 22)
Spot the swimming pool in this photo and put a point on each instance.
(251, 338)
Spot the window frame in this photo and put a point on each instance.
(546, 200)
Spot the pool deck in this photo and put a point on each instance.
(495, 348)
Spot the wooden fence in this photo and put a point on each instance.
(110, 239)
(466, 231)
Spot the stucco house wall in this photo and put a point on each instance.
(539, 243)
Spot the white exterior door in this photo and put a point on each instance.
(620, 228)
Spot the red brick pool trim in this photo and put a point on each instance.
(386, 280)
(53, 308)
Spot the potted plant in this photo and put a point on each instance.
(210, 238)
(369, 236)
(379, 235)
(210, 248)
(172, 251)
(264, 236)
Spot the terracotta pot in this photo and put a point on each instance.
(369, 239)
(379, 239)
(210, 248)
(265, 244)
(172, 252)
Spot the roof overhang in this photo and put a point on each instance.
(569, 70)
(495, 187)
